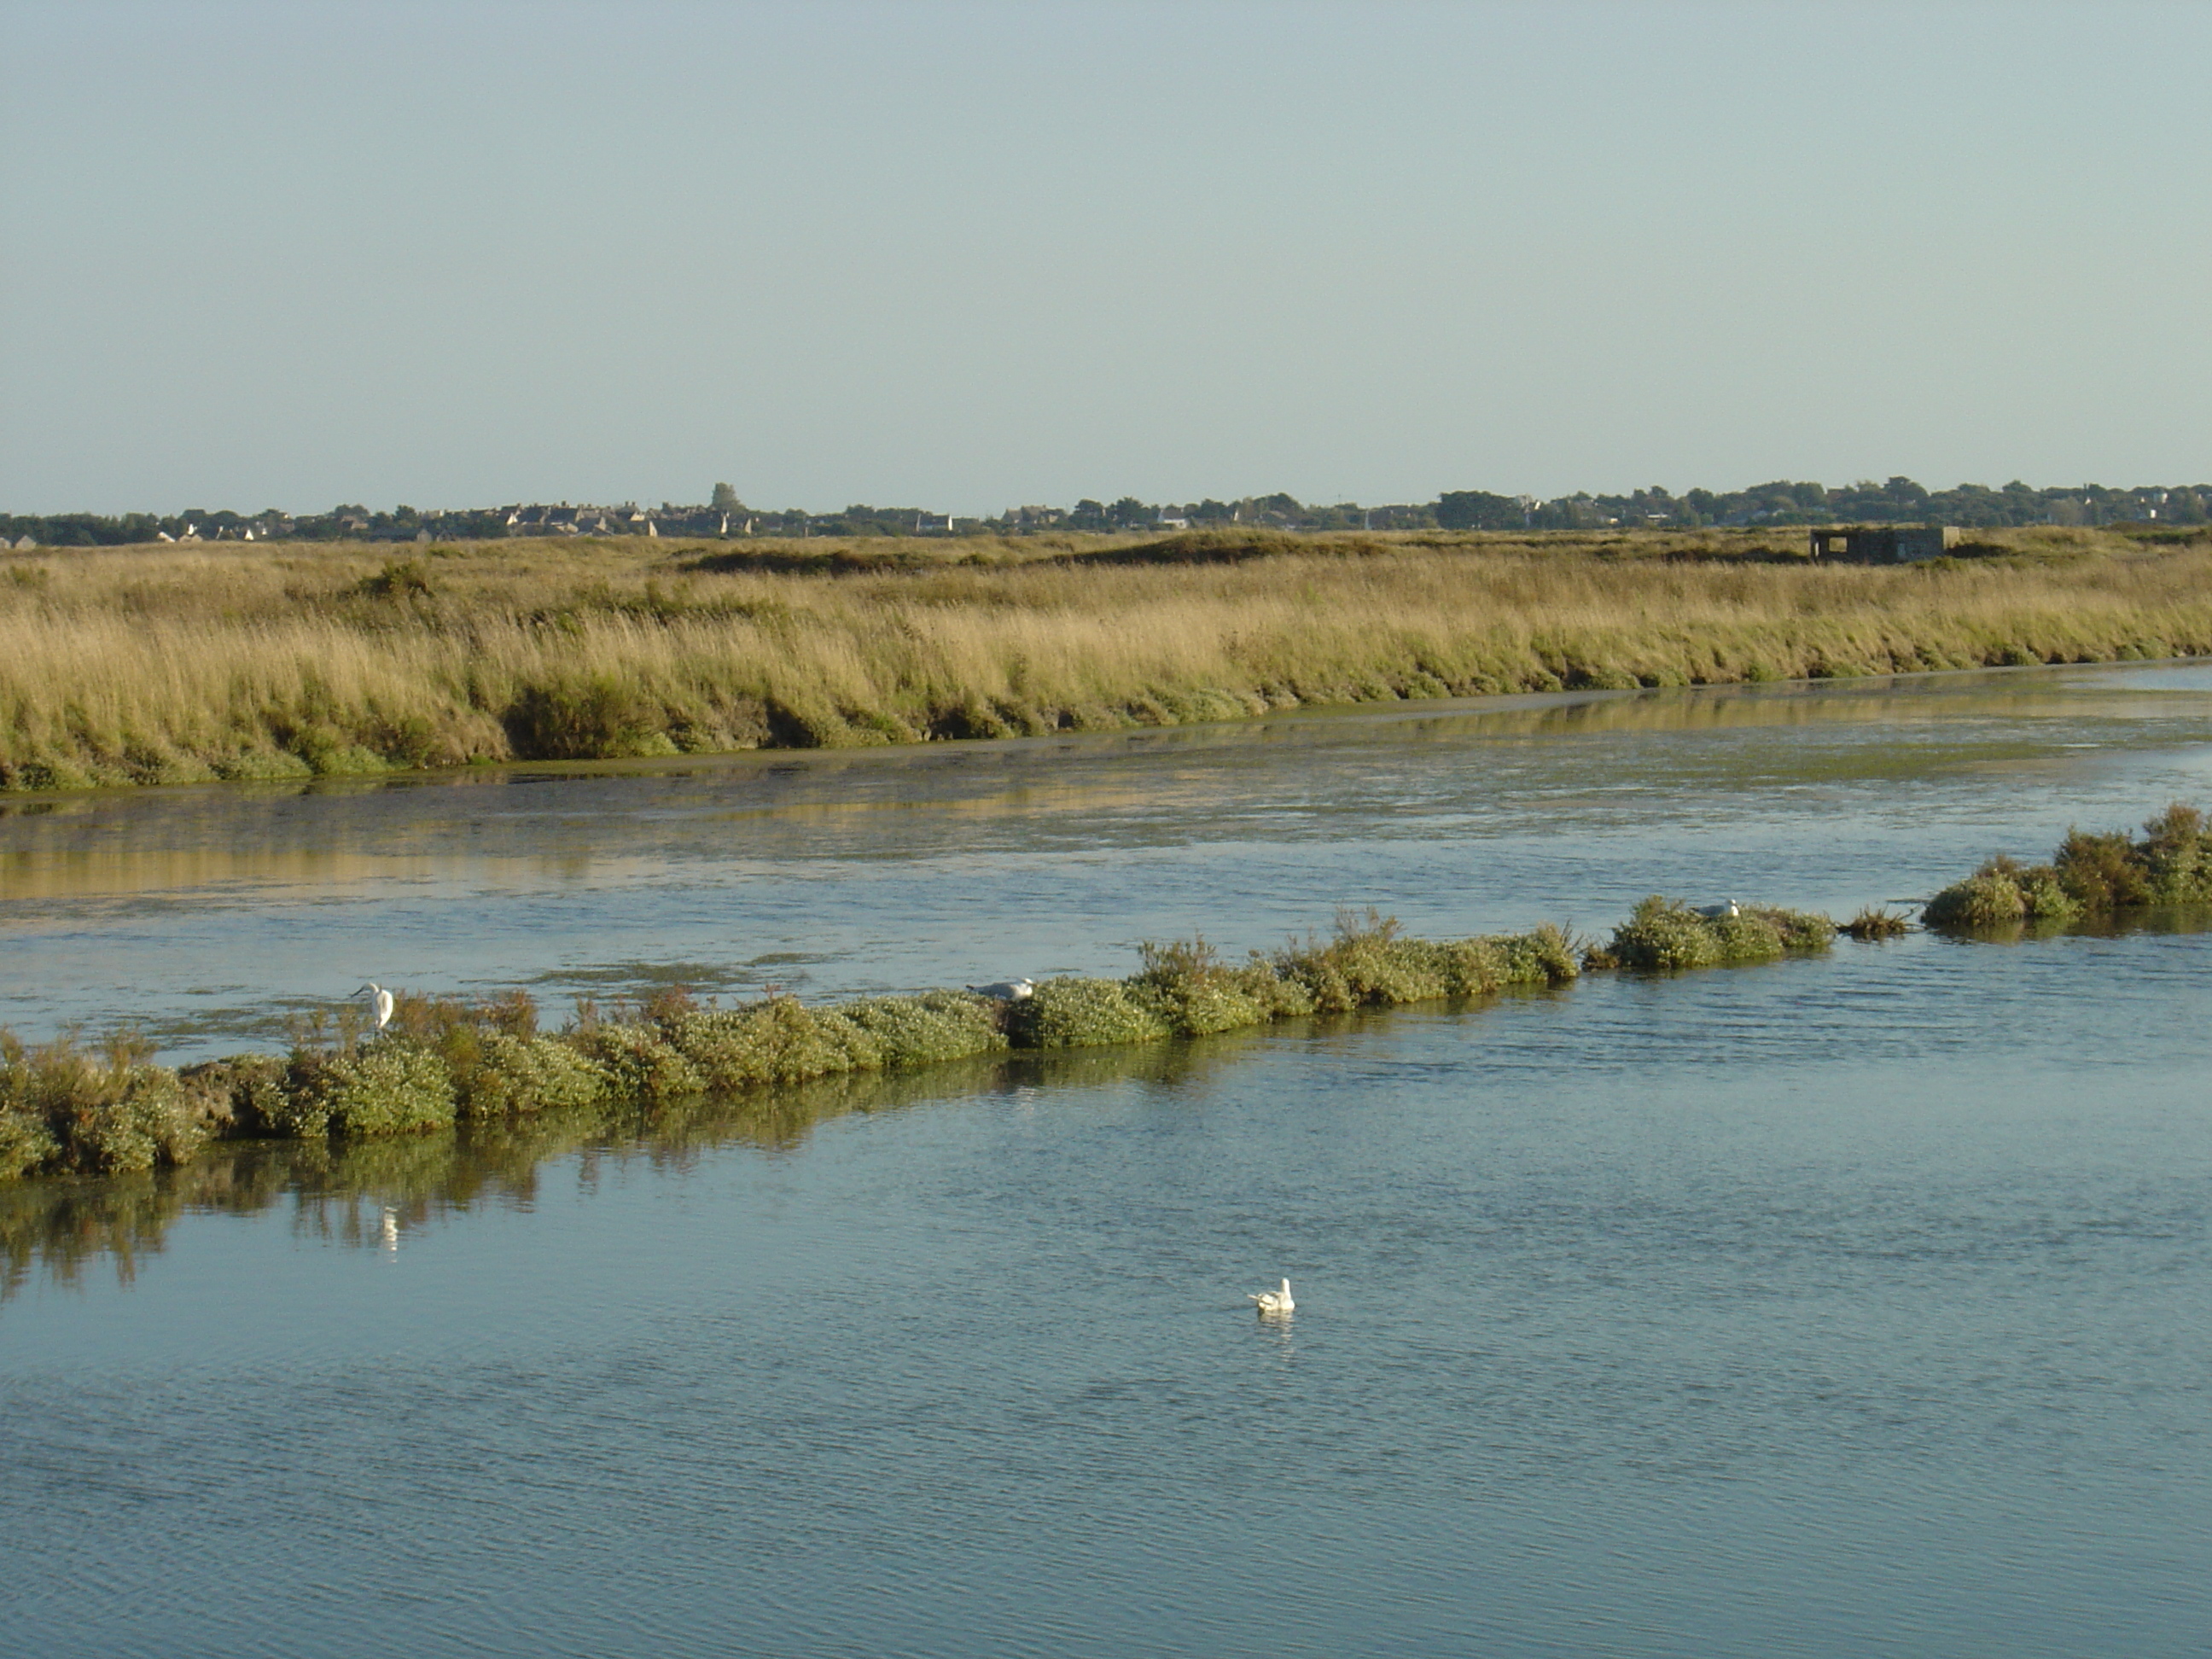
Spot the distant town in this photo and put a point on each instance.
(723, 515)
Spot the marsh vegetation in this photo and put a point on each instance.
(442, 1061)
(2091, 877)
(122, 665)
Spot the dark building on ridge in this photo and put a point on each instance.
(1883, 543)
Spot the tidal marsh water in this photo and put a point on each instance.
(1854, 1305)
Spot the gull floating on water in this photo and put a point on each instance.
(1005, 990)
(1275, 1302)
(380, 1003)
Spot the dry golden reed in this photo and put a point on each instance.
(171, 664)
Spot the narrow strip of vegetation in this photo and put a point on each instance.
(67, 1109)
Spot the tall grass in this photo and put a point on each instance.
(148, 665)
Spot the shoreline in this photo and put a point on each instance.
(949, 753)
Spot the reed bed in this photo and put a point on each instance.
(148, 666)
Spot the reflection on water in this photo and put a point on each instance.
(367, 1194)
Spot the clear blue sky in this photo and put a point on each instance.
(974, 255)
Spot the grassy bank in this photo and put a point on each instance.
(67, 1109)
(266, 661)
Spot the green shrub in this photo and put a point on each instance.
(244, 1092)
(386, 1087)
(2100, 873)
(1665, 935)
(1081, 1013)
(1186, 986)
(1804, 932)
(71, 1110)
(2176, 857)
(27, 1145)
(1746, 937)
(1367, 963)
(509, 1076)
(778, 1040)
(2000, 893)
(1547, 957)
(936, 1026)
(639, 1065)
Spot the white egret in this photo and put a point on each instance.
(380, 1003)
(1275, 1302)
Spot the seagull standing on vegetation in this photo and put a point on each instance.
(1275, 1302)
(1718, 912)
(1006, 990)
(380, 1003)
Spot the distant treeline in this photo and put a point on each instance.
(1900, 501)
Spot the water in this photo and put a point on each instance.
(1848, 1306)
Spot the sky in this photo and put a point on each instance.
(978, 255)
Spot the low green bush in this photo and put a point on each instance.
(2000, 893)
(389, 1086)
(2171, 865)
(779, 1040)
(936, 1026)
(64, 1109)
(510, 1076)
(250, 1089)
(1665, 935)
(1367, 963)
(1547, 957)
(1188, 989)
(27, 1145)
(641, 1067)
(2091, 875)
(1082, 1013)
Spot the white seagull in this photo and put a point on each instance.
(1005, 990)
(1718, 912)
(1275, 1302)
(380, 1003)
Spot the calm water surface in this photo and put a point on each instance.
(1841, 1307)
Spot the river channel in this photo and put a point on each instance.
(1854, 1305)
